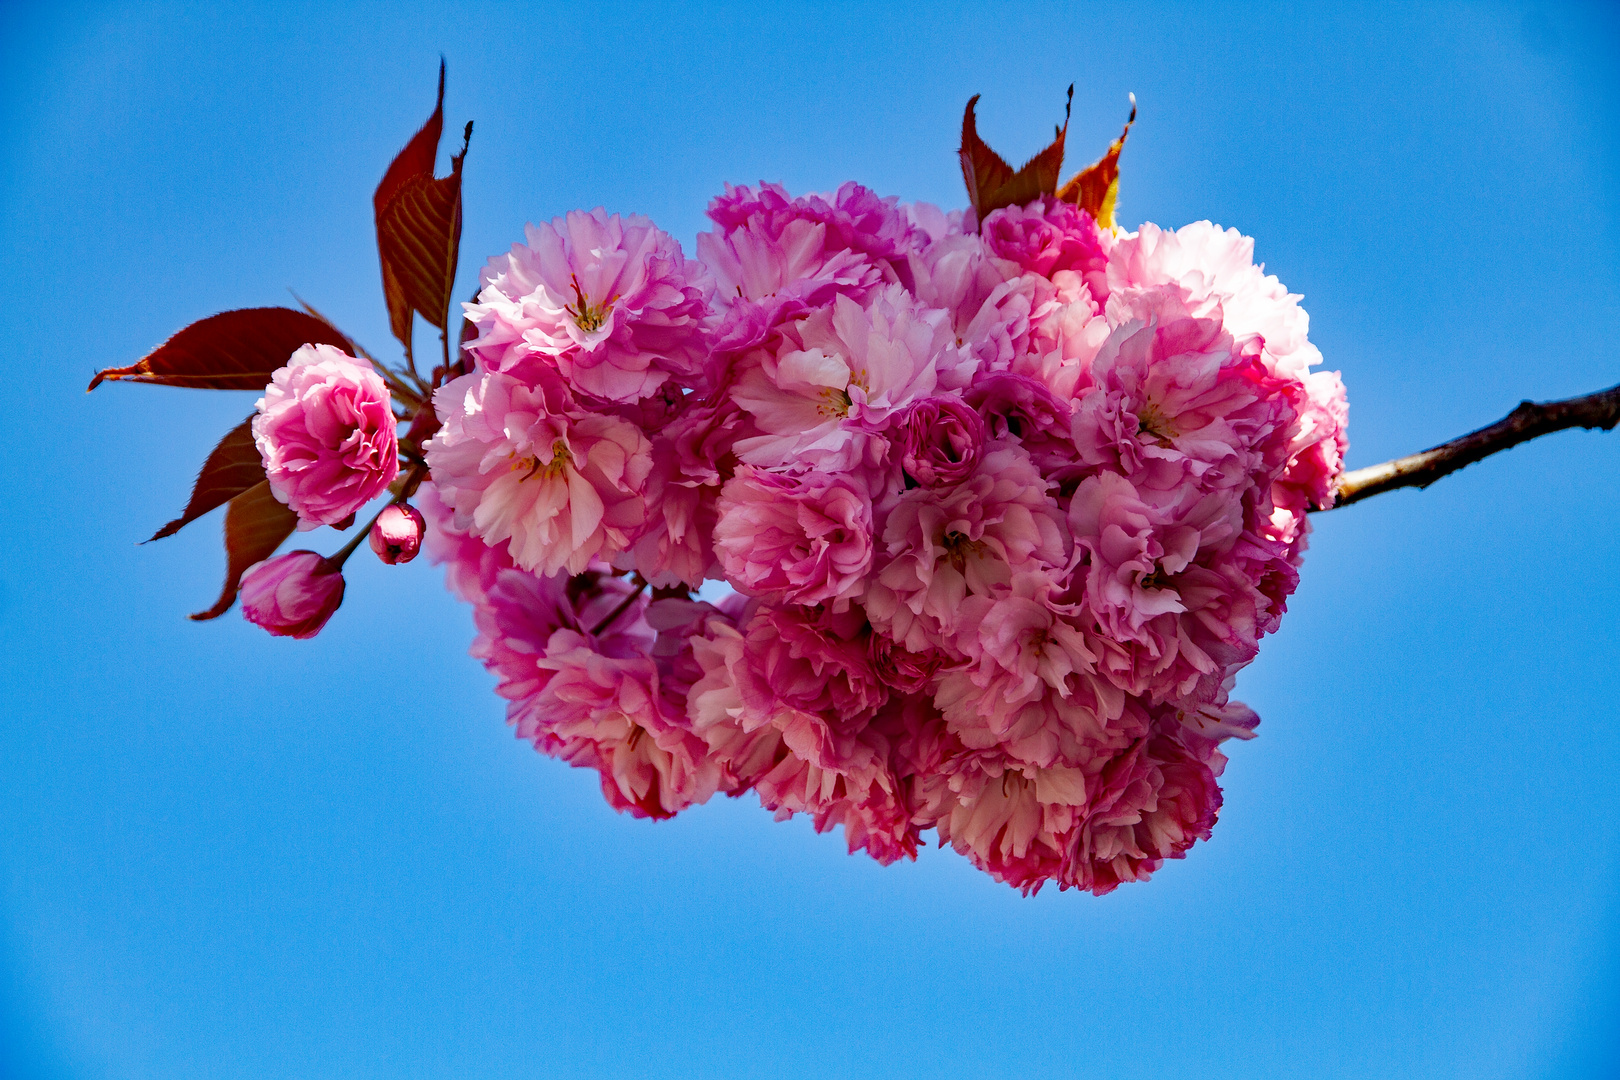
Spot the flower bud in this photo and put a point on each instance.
(292, 595)
(396, 535)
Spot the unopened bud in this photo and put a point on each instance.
(292, 595)
(396, 535)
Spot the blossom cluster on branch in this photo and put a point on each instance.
(1005, 506)
(900, 519)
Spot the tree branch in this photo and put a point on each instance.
(1529, 421)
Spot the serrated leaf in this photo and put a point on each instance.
(255, 525)
(418, 235)
(992, 183)
(232, 467)
(419, 228)
(234, 350)
(1095, 189)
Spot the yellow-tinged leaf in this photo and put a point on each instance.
(1095, 189)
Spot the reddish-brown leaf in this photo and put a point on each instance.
(255, 525)
(1095, 189)
(418, 235)
(234, 350)
(419, 228)
(232, 468)
(992, 183)
(982, 168)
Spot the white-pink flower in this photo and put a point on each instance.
(609, 302)
(523, 464)
(839, 380)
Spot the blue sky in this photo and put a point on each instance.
(229, 855)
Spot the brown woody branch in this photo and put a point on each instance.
(1529, 421)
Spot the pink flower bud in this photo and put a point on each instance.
(396, 535)
(292, 595)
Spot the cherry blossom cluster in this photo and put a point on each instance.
(1004, 506)
(898, 519)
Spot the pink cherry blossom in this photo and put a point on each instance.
(1006, 511)
(609, 302)
(840, 380)
(471, 565)
(940, 545)
(1151, 803)
(1015, 822)
(526, 465)
(940, 439)
(683, 492)
(801, 539)
(325, 429)
(1049, 236)
(606, 712)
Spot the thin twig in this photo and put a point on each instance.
(1529, 421)
(413, 480)
(624, 606)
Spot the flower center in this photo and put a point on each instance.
(546, 470)
(1156, 580)
(587, 318)
(959, 548)
(834, 402)
(1154, 424)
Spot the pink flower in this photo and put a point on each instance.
(326, 432)
(1048, 236)
(1015, 822)
(606, 712)
(609, 302)
(841, 379)
(1151, 803)
(940, 440)
(810, 666)
(1024, 410)
(804, 540)
(526, 465)
(902, 670)
(1030, 690)
(859, 792)
(683, 491)
(518, 616)
(746, 746)
(396, 535)
(941, 544)
(291, 595)
(1209, 265)
(1182, 409)
(955, 272)
(767, 240)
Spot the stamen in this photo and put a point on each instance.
(586, 317)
